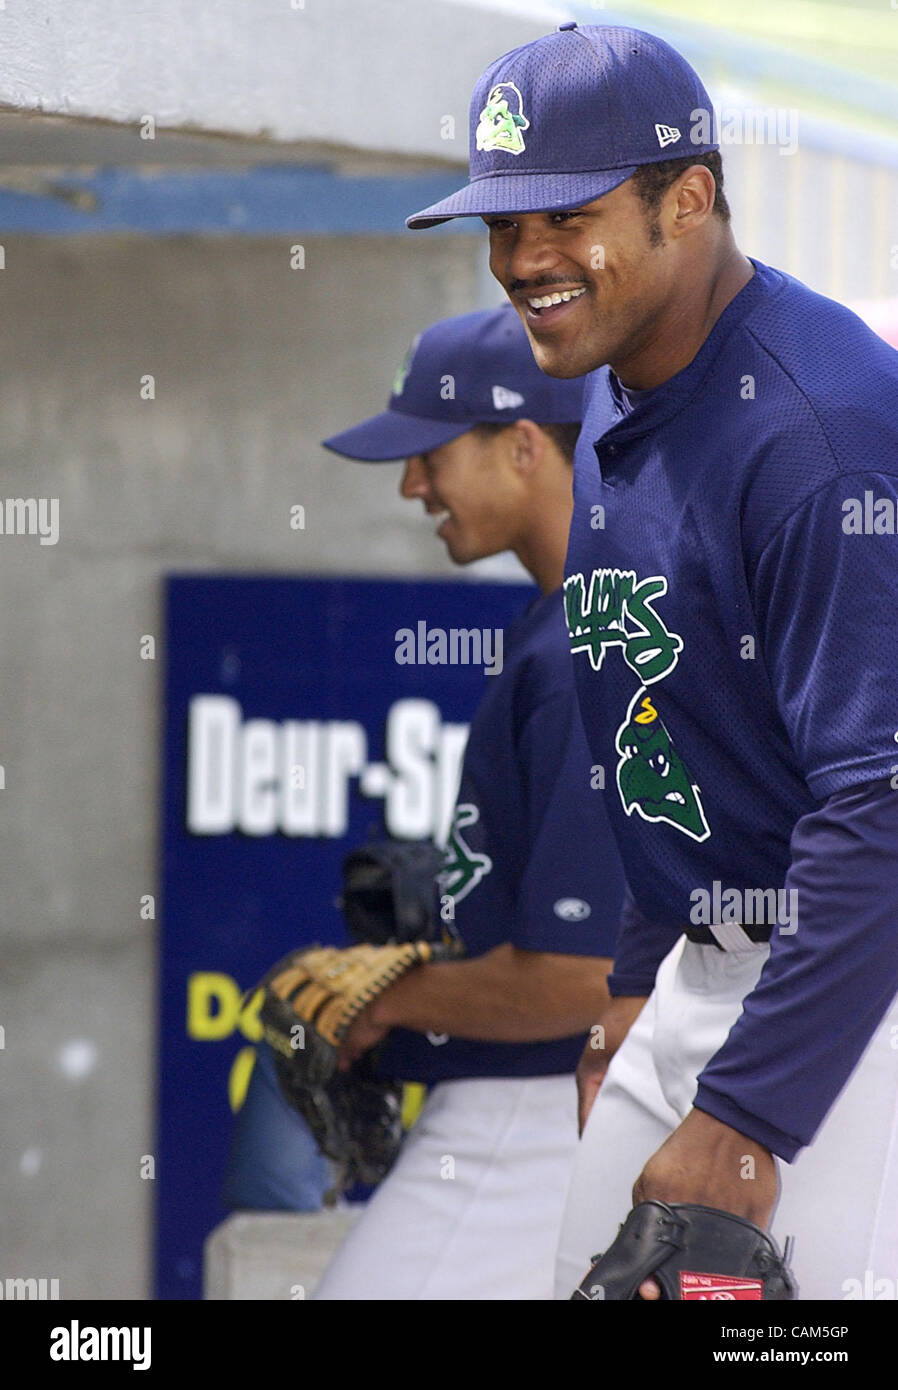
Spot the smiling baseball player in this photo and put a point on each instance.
(472, 1208)
(734, 631)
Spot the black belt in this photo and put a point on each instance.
(750, 932)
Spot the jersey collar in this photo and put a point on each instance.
(602, 417)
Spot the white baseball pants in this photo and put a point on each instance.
(839, 1199)
(473, 1207)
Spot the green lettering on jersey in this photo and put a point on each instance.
(464, 867)
(616, 610)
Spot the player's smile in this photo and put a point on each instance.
(602, 256)
(549, 266)
(455, 488)
(447, 522)
(543, 309)
(445, 517)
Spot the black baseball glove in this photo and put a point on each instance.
(691, 1252)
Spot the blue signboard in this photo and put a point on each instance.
(301, 717)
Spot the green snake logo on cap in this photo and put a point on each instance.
(502, 120)
(404, 368)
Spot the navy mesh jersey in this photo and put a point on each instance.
(731, 595)
(531, 857)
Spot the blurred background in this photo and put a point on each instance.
(203, 271)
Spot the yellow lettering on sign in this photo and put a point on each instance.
(238, 1080)
(215, 1008)
(213, 1005)
(413, 1097)
(250, 1023)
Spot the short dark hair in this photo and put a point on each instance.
(563, 436)
(651, 182)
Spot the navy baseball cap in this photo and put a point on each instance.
(566, 119)
(461, 372)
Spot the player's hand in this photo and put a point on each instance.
(364, 1033)
(605, 1038)
(706, 1162)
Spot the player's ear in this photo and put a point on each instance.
(691, 201)
(527, 444)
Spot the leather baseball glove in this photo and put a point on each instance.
(313, 995)
(310, 999)
(692, 1253)
(390, 902)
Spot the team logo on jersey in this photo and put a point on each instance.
(616, 611)
(651, 777)
(464, 867)
(502, 120)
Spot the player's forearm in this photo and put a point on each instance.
(507, 995)
(826, 986)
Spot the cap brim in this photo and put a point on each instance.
(507, 193)
(391, 436)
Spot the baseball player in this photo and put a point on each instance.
(732, 603)
(533, 877)
(473, 1206)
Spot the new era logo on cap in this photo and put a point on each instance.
(503, 399)
(667, 135)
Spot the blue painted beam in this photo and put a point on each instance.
(269, 200)
(283, 200)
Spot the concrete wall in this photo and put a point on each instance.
(253, 364)
(282, 69)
